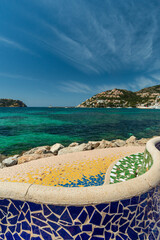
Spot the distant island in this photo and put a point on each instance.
(147, 97)
(11, 103)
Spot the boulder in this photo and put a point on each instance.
(55, 148)
(2, 165)
(131, 140)
(143, 141)
(74, 144)
(93, 144)
(104, 144)
(119, 143)
(11, 161)
(38, 150)
(2, 157)
(79, 148)
(31, 157)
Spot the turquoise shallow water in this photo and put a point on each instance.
(24, 128)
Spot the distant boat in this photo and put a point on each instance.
(50, 107)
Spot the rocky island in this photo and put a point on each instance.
(146, 97)
(11, 103)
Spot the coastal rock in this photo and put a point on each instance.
(93, 144)
(31, 157)
(74, 144)
(2, 157)
(143, 141)
(11, 161)
(79, 148)
(131, 140)
(119, 143)
(55, 148)
(104, 144)
(38, 150)
(1, 165)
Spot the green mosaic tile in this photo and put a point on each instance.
(130, 167)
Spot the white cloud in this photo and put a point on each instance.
(75, 87)
(142, 82)
(11, 43)
(16, 76)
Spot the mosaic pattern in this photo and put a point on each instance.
(83, 173)
(135, 218)
(130, 167)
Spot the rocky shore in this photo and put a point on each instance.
(59, 149)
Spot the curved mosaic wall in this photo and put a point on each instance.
(132, 218)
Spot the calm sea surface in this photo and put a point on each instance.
(25, 128)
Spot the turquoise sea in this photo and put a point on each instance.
(25, 128)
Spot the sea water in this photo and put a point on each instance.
(24, 128)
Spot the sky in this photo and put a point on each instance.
(62, 52)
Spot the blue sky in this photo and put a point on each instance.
(61, 52)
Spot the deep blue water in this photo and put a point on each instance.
(25, 128)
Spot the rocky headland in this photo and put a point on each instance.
(146, 97)
(11, 103)
(59, 149)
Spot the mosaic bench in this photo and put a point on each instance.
(126, 209)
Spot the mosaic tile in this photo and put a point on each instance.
(129, 219)
(130, 167)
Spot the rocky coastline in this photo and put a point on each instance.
(59, 149)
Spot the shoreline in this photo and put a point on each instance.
(59, 149)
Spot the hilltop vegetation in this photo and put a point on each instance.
(123, 98)
(11, 103)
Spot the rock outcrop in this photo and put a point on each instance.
(59, 149)
(11, 103)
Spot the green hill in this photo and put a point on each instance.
(123, 98)
(11, 103)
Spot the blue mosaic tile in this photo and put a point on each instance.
(55, 226)
(139, 222)
(53, 218)
(9, 236)
(107, 235)
(114, 228)
(85, 236)
(34, 207)
(46, 210)
(38, 222)
(108, 226)
(36, 238)
(96, 218)
(74, 230)
(66, 217)
(25, 226)
(101, 207)
(124, 227)
(28, 216)
(16, 237)
(87, 228)
(98, 231)
(57, 209)
(107, 219)
(75, 211)
(114, 207)
(64, 234)
(45, 235)
(4, 202)
(35, 230)
(25, 235)
(83, 216)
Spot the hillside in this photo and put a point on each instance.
(123, 98)
(11, 103)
